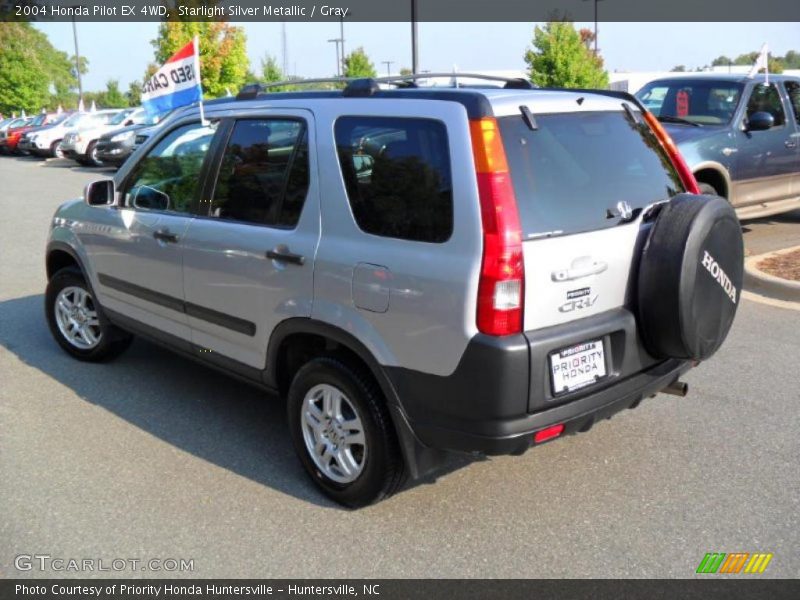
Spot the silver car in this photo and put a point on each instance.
(414, 271)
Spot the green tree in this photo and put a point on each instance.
(721, 61)
(113, 97)
(678, 69)
(223, 52)
(270, 71)
(134, 93)
(405, 71)
(560, 58)
(30, 68)
(358, 64)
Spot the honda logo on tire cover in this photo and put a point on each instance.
(712, 266)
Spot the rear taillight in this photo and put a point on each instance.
(502, 281)
(685, 173)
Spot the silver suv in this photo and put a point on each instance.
(414, 270)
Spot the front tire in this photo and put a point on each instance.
(76, 319)
(55, 149)
(343, 433)
(91, 156)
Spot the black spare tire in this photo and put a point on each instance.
(690, 277)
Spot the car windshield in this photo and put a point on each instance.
(119, 117)
(39, 120)
(698, 101)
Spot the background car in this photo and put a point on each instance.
(114, 147)
(12, 135)
(740, 136)
(80, 144)
(27, 143)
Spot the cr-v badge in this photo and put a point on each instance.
(578, 299)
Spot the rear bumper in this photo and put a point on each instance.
(499, 395)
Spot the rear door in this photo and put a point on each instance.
(248, 257)
(580, 179)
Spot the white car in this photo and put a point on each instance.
(80, 143)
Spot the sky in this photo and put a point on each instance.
(122, 50)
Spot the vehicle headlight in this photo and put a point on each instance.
(122, 137)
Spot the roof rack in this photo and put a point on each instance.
(367, 86)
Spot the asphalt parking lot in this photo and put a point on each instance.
(152, 456)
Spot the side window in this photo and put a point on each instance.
(765, 98)
(793, 91)
(263, 176)
(168, 177)
(397, 175)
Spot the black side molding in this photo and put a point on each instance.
(193, 310)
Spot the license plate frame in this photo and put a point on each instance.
(583, 363)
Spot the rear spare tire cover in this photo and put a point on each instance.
(690, 277)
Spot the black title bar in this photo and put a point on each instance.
(400, 10)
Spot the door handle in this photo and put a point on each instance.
(790, 143)
(282, 254)
(163, 235)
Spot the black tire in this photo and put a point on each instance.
(383, 472)
(690, 278)
(112, 340)
(55, 149)
(707, 189)
(91, 156)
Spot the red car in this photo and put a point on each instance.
(10, 138)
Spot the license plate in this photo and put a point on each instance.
(578, 366)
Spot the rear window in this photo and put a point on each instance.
(574, 167)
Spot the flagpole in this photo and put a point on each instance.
(197, 75)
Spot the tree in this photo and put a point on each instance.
(721, 61)
(223, 52)
(113, 97)
(134, 93)
(405, 71)
(358, 64)
(678, 69)
(30, 68)
(270, 71)
(560, 58)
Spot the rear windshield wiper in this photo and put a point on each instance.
(671, 119)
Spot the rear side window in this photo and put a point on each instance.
(263, 177)
(397, 175)
(705, 102)
(574, 167)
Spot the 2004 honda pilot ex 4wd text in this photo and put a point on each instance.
(415, 270)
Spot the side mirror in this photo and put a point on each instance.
(759, 121)
(128, 122)
(99, 193)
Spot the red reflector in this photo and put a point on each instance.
(548, 434)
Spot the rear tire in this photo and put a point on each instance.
(76, 319)
(343, 433)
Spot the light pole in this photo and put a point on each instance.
(339, 63)
(77, 58)
(414, 35)
(388, 64)
(341, 39)
(595, 24)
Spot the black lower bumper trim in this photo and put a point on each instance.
(514, 436)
